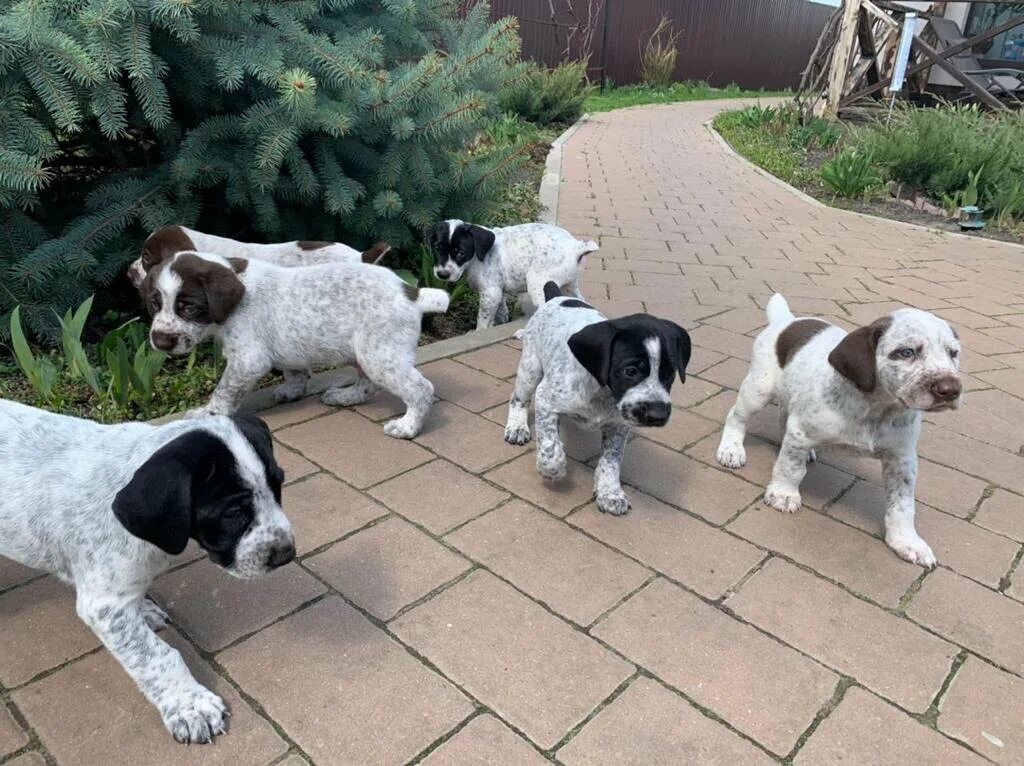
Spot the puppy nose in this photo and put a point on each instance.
(163, 341)
(946, 389)
(441, 273)
(280, 556)
(652, 413)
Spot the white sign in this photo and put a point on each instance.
(899, 72)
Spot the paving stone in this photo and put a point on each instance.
(756, 684)
(485, 741)
(323, 509)
(553, 563)
(292, 463)
(12, 736)
(984, 707)
(679, 546)
(27, 759)
(684, 482)
(12, 573)
(466, 387)
(91, 712)
(693, 392)
(765, 424)
(294, 412)
(864, 729)
(1003, 512)
(559, 497)
(973, 616)
(862, 563)
(216, 609)
(647, 724)
(438, 496)
(529, 667)
(353, 448)
(39, 630)
(888, 654)
(683, 429)
(498, 360)
(728, 374)
(470, 441)
(970, 456)
(387, 566)
(342, 689)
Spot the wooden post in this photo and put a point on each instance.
(841, 56)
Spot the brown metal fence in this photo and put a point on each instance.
(753, 43)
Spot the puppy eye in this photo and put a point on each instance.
(903, 353)
(154, 301)
(188, 310)
(631, 372)
(954, 353)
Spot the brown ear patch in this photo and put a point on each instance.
(163, 244)
(212, 289)
(854, 357)
(375, 253)
(795, 337)
(312, 244)
(412, 293)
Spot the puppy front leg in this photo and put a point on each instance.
(899, 474)
(490, 299)
(607, 487)
(293, 388)
(783, 493)
(550, 451)
(238, 379)
(190, 711)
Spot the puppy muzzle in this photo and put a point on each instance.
(648, 414)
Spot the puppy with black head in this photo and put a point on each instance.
(611, 374)
(106, 509)
(508, 261)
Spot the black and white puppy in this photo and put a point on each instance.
(108, 520)
(508, 261)
(609, 374)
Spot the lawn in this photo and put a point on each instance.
(638, 95)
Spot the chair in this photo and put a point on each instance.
(1005, 82)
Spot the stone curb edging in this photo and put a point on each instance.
(551, 181)
(821, 205)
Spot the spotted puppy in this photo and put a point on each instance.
(271, 317)
(170, 240)
(508, 261)
(108, 521)
(864, 390)
(608, 374)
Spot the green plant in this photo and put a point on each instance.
(132, 376)
(815, 134)
(311, 119)
(850, 174)
(1008, 199)
(546, 96)
(40, 371)
(658, 55)
(969, 195)
(78, 365)
(757, 116)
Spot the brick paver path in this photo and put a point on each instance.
(449, 607)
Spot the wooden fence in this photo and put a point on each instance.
(753, 43)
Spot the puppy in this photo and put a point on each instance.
(166, 242)
(864, 390)
(508, 261)
(608, 374)
(296, 319)
(109, 520)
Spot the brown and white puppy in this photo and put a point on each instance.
(295, 320)
(170, 240)
(863, 390)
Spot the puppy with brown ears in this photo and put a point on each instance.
(863, 390)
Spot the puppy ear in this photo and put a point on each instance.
(164, 244)
(258, 435)
(592, 347)
(677, 342)
(156, 505)
(224, 291)
(483, 240)
(437, 235)
(551, 291)
(854, 357)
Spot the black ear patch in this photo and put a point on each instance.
(258, 435)
(677, 345)
(438, 237)
(157, 504)
(592, 347)
(483, 240)
(551, 291)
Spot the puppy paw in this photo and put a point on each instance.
(812, 456)
(910, 547)
(617, 504)
(731, 455)
(518, 334)
(155, 617)
(346, 397)
(289, 392)
(517, 435)
(552, 470)
(195, 716)
(401, 428)
(782, 499)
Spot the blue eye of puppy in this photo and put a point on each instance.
(903, 353)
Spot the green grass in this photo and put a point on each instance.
(637, 95)
(769, 149)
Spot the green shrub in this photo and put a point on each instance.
(850, 174)
(757, 116)
(261, 120)
(815, 134)
(546, 96)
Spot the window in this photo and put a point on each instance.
(1006, 48)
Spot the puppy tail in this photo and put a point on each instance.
(778, 310)
(432, 301)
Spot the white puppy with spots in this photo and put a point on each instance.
(106, 509)
(296, 320)
(863, 390)
(607, 374)
(508, 261)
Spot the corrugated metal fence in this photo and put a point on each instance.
(754, 43)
